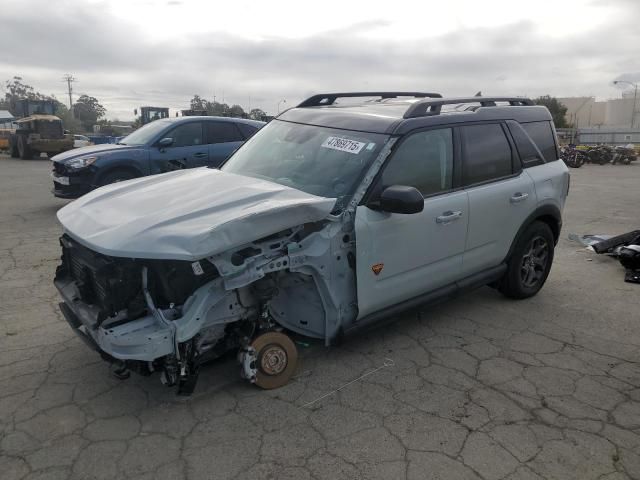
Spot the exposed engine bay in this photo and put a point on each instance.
(170, 316)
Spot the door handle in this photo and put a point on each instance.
(519, 197)
(200, 155)
(448, 217)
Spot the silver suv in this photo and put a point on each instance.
(334, 217)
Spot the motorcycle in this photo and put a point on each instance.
(599, 154)
(623, 155)
(572, 157)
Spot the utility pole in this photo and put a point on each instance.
(70, 79)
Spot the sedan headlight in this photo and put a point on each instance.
(80, 162)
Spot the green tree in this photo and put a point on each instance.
(88, 110)
(236, 111)
(70, 123)
(557, 109)
(15, 89)
(198, 103)
(216, 109)
(257, 114)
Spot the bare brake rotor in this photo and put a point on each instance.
(276, 359)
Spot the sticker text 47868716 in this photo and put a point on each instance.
(343, 145)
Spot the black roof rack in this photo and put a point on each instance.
(433, 107)
(323, 99)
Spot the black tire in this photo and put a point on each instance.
(574, 161)
(115, 176)
(530, 262)
(23, 149)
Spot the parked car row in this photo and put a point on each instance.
(330, 219)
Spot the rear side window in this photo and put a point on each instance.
(187, 134)
(528, 152)
(222, 132)
(542, 134)
(247, 130)
(424, 160)
(487, 153)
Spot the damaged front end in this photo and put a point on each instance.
(150, 315)
(170, 316)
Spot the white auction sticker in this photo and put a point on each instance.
(343, 145)
(197, 268)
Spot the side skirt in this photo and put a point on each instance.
(387, 315)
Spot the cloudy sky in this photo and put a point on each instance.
(129, 53)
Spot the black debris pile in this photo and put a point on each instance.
(625, 247)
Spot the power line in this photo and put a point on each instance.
(70, 79)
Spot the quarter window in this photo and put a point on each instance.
(187, 134)
(542, 134)
(487, 153)
(528, 152)
(222, 132)
(424, 160)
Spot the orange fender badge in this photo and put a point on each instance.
(377, 268)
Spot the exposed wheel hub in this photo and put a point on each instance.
(270, 360)
(273, 360)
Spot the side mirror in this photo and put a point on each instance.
(165, 142)
(401, 199)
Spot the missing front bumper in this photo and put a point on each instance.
(143, 339)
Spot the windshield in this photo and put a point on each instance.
(145, 134)
(322, 161)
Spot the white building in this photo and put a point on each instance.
(587, 112)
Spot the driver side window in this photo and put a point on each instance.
(424, 160)
(187, 134)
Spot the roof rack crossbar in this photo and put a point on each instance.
(433, 107)
(323, 99)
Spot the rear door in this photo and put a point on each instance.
(188, 149)
(402, 256)
(501, 194)
(223, 138)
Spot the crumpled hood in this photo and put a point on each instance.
(105, 148)
(186, 214)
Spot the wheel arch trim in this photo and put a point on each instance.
(104, 171)
(549, 214)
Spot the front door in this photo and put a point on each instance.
(188, 149)
(400, 256)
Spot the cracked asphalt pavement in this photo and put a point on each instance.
(478, 387)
